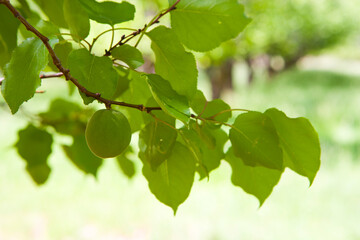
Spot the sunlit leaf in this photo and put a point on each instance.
(31, 57)
(299, 141)
(109, 12)
(129, 55)
(204, 25)
(255, 140)
(258, 181)
(172, 181)
(169, 100)
(173, 63)
(77, 19)
(95, 73)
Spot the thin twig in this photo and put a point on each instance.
(126, 38)
(66, 72)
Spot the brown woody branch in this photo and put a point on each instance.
(66, 72)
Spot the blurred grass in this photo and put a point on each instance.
(73, 206)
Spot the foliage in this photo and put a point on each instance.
(180, 132)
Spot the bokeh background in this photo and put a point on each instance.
(300, 56)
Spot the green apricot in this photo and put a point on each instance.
(108, 133)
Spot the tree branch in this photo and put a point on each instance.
(126, 38)
(66, 72)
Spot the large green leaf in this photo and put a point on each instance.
(173, 63)
(34, 146)
(258, 181)
(54, 10)
(8, 34)
(156, 141)
(204, 25)
(169, 100)
(109, 12)
(77, 19)
(172, 181)
(22, 73)
(80, 154)
(95, 73)
(299, 141)
(255, 140)
(129, 55)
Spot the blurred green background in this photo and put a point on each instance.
(299, 56)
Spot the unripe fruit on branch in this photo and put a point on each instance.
(108, 133)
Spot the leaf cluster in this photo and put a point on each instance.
(180, 132)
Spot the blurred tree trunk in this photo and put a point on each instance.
(221, 77)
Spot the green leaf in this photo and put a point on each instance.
(129, 55)
(171, 102)
(207, 144)
(123, 81)
(77, 19)
(255, 140)
(204, 25)
(80, 154)
(137, 93)
(173, 63)
(62, 51)
(39, 173)
(198, 102)
(299, 141)
(34, 146)
(22, 73)
(126, 165)
(95, 73)
(258, 181)
(172, 181)
(109, 12)
(8, 34)
(54, 10)
(156, 141)
(216, 108)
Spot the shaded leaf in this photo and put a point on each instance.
(126, 165)
(299, 141)
(156, 141)
(46, 28)
(172, 181)
(109, 12)
(258, 181)
(34, 146)
(31, 57)
(80, 154)
(204, 25)
(254, 139)
(94, 73)
(169, 100)
(129, 55)
(8, 34)
(77, 19)
(173, 63)
(66, 117)
(207, 144)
